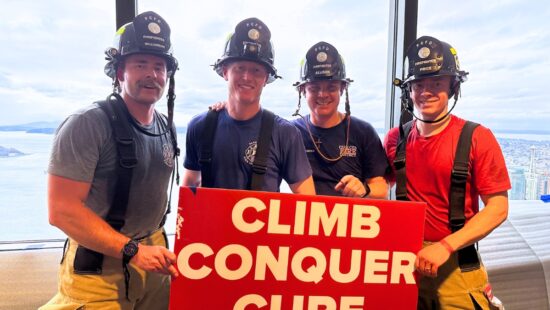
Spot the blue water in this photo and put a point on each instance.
(523, 136)
(23, 208)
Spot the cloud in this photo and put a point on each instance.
(52, 53)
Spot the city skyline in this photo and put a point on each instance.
(528, 164)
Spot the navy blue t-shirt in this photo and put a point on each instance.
(234, 148)
(364, 157)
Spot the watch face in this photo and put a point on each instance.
(130, 249)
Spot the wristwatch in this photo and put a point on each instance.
(129, 250)
(367, 190)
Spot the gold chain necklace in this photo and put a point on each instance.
(342, 151)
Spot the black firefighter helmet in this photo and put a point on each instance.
(251, 41)
(430, 57)
(148, 33)
(322, 62)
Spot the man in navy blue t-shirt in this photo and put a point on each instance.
(345, 153)
(247, 66)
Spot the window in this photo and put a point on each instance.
(506, 52)
(53, 65)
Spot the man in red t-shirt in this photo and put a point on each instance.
(433, 77)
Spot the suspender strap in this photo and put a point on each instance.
(400, 161)
(259, 166)
(175, 173)
(459, 176)
(468, 258)
(127, 160)
(87, 261)
(207, 142)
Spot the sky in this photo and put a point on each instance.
(52, 54)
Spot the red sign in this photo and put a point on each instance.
(257, 250)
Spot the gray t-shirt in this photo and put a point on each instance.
(84, 150)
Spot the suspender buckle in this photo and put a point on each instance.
(126, 152)
(116, 223)
(125, 141)
(205, 161)
(456, 224)
(399, 163)
(128, 163)
(460, 170)
(259, 169)
(459, 176)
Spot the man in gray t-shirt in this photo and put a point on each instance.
(126, 262)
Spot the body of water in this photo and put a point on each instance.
(23, 207)
(521, 136)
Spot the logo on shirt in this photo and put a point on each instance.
(168, 154)
(250, 152)
(350, 151)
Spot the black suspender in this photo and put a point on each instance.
(459, 175)
(259, 166)
(207, 143)
(87, 261)
(400, 161)
(127, 160)
(468, 257)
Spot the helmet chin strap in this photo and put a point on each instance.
(171, 98)
(455, 97)
(348, 112)
(436, 120)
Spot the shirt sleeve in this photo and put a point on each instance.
(376, 162)
(296, 165)
(390, 146)
(77, 146)
(191, 161)
(490, 174)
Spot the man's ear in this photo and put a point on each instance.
(120, 73)
(224, 71)
(454, 88)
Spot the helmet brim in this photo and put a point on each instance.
(271, 74)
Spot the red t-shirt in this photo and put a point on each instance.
(429, 163)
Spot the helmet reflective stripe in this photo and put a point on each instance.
(322, 62)
(148, 33)
(251, 41)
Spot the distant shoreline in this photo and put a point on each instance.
(10, 152)
(49, 130)
(32, 128)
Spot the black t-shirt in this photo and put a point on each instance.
(364, 157)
